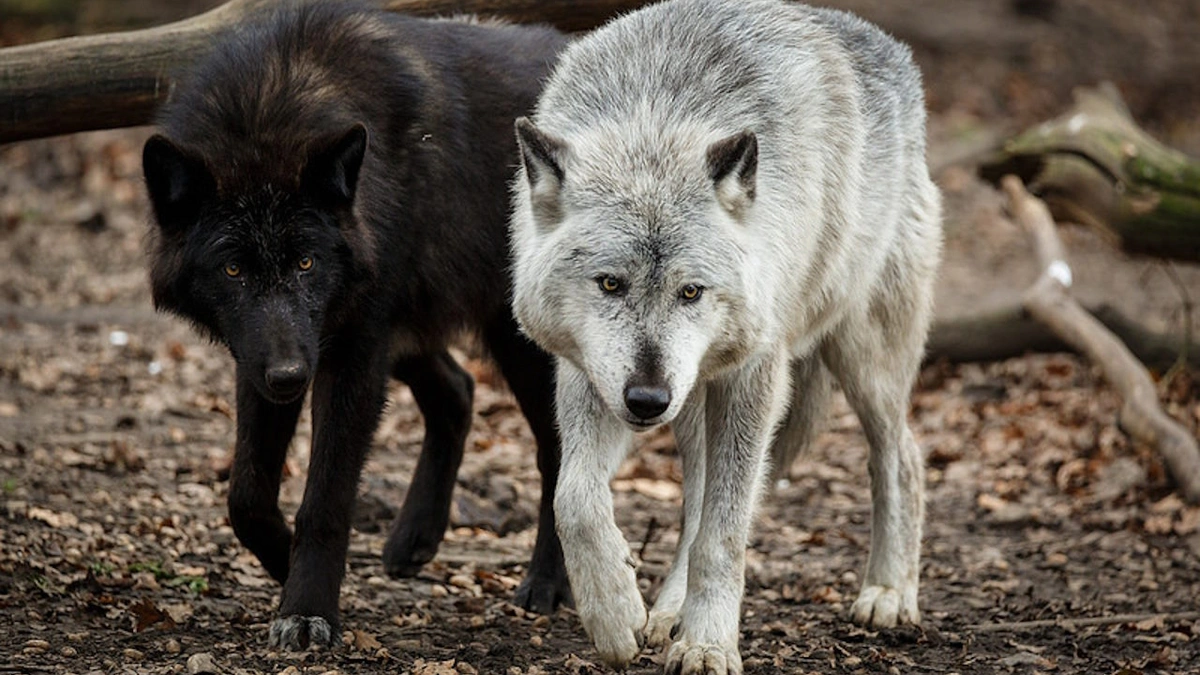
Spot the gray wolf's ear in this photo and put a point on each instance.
(177, 182)
(733, 167)
(543, 155)
(331, 173)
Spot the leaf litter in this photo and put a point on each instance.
(116, 553)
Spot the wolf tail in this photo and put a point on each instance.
(811, 387)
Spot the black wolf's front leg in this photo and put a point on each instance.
(348, 395)
(264, 431)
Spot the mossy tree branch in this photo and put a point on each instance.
(1095, 166)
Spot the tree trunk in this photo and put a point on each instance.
(120, 79)
(1096, 167)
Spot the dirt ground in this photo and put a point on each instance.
(1053, 543)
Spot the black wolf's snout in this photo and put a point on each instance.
(287, 379)
(647, 402)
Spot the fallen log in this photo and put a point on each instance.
(1095, 166)
(1008, 331)
(119, 79)
(1048, 300)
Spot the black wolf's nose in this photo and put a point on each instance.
(647, 402)
(287, 378)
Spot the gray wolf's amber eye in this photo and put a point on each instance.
(233, 269)
(691, 292)
(306, 263)
(610, 284)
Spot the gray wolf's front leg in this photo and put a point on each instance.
(741, 412)
(598, 561)
(689, 437)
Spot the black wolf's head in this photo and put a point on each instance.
(258, 265)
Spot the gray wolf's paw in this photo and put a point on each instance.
(689, 658)
(660, 627)
(296, 633)
(616, 626)
(885, 607)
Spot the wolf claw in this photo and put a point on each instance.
(297, 633)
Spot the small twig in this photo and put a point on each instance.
(1049, 301)
(1071, 624)
(1185, 299)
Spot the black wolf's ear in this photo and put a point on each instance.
(543, 155)
(733, 167)
(331, 174)
(178, 183)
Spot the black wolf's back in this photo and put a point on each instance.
(273, 86)
(438, 99)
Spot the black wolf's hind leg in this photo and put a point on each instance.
(264, 431)
(530, 375)
(444, 392)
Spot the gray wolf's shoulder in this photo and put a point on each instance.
(700, 54)
(885, 65)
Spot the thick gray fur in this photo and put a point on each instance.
(771, 156)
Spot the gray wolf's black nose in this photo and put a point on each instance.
(647, 402)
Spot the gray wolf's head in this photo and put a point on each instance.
(629, 257)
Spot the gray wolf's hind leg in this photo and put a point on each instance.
(875, 355)
(811, 384)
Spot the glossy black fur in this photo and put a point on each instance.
(352, 167)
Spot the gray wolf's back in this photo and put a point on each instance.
(723, 61)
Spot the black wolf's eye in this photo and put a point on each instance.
(306, 263)
(691, 292)
(610, 284)
(233, 269)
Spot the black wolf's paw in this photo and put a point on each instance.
(409, 546)
(296, 633)
(543, 593)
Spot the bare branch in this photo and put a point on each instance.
(1049, 301)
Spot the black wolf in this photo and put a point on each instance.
(330, 191)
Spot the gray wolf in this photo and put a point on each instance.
(315, 214)
(724, 205)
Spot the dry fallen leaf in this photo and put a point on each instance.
(364, 641)
(146, 614)
(421, 667)
(179, 613)
(1160, 524)
(990, 502)
(578, 666)
(827, 594)
(1189, 521)
(1154, 623)
(52, 518)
